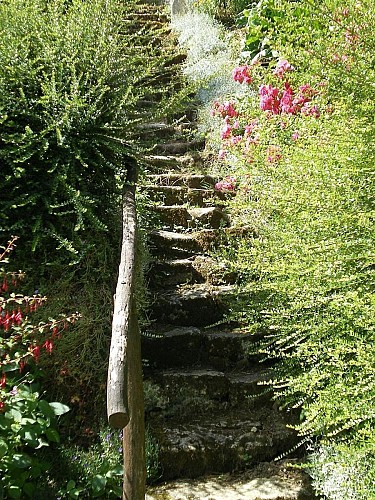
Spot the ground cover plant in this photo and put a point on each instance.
(298, 151)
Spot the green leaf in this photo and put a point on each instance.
(98, 484)
(14, 492)
(3, 448)
(21, 460)
(115, 471)
(31, 437)
(59, 408)
(29, 489)
(71, 484)
(53, 435)
(45, 408)
(14, 414)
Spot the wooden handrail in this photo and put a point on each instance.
(125, 405)
(117, 393)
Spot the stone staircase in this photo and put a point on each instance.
(210, 414)
(206, 406)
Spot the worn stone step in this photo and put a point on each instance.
(186, 346)
(178, 147)
(195, 269)
(172, 272)
(196, 305)
(220, 443)
(174, 195)
(214, 272)
(149, 15)
(162, 130)
(174, 162)
(177, 215)
(278, 480)
(190, 390)
(169, 243)
(196, 181)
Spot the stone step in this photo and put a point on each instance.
(149, 15)
(279, 480)
(174, 195)
(168, 273)
(188, 390)
(214, 444)
(187, 346)
(173, 162)
(196, 305)
(162, 130)
(195, 269)
(195, 181)
(169, 243)
(178, 147)
(192, 218)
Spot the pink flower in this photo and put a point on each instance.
(307, 109)
(222, 154)
(295, 136)
(273, 154)
(282, 67)
(4, 286)
(307, 91)
(226, 131)
(36, 352)
(314, 111)
(227, 184)
(48, 345)
(235, 140)
(252, 140)
(286, 101)
(224, 110)
(269, 99)
(242, 74)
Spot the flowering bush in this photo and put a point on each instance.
(303, 138)
(259, 133)
(27, 422)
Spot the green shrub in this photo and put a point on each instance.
(304, 183)
(70, 80)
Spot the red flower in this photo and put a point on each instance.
(36, 352)
(48, 345)
(4, 286)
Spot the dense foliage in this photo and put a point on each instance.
(298, 150)
(70, 82)
(27, 422)
(77, 79)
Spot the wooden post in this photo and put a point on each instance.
(134, 432)
(125, 405)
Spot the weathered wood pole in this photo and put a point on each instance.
(125, 406)
(134, 432)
